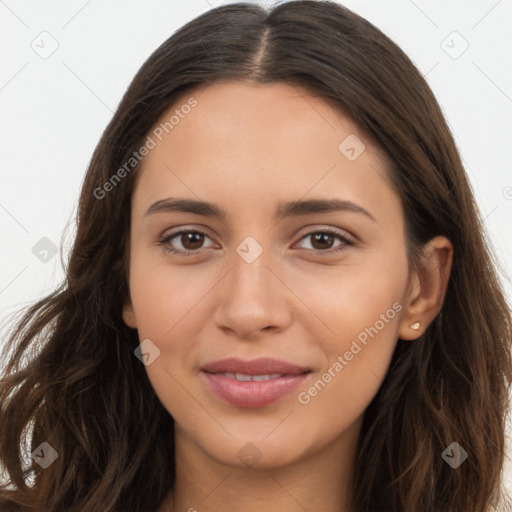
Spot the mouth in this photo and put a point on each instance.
(253, 384)
(242, 377)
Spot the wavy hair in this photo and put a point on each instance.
(71, 379)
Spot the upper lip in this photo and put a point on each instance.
(261, 366)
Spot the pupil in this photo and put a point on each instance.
(189, 240)
(322, 237)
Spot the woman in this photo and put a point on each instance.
(279, 296)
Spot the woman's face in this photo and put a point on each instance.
(275, 276)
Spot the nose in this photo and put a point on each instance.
(253, 299)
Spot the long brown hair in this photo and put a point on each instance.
(73, 381)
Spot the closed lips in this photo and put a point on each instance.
(257, 369)
(247, 378)
(254, 383)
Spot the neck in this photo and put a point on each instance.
(321, 481)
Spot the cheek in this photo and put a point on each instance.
(165, 297)
(352, 298)
(363, 318)
(167, 302)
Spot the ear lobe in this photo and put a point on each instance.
(427, 288)
(129, 317)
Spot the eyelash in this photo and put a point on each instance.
(163, 241)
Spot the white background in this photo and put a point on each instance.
(55, 109)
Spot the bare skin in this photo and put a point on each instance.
(248, 148)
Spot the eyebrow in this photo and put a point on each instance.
(288, 209)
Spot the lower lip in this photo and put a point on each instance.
(253, 393)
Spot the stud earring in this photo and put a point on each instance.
(415, 326)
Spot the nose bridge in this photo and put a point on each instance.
(252, 298)
(251, 276)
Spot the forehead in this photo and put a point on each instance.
(249, 108)
(261, 140)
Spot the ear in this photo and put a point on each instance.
(427, 288)
(129, 317)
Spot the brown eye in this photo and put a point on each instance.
(192, 240)
(323, 241)
(185, 242)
